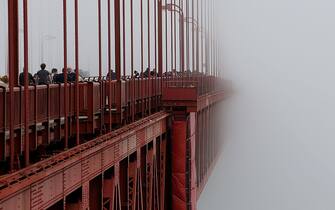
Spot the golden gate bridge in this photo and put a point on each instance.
(143, 140)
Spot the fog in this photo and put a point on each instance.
(279, 130)
(280, 123)
(45, 36)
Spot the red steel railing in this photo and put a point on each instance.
(170, 53)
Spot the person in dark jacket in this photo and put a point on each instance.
(111, 73)
(43, 75)
(59, 78)
(71, 75)
(30, 79)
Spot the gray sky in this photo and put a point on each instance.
(279, 126)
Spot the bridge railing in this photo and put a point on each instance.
(203, 84)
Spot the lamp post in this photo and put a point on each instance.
(44, 38)
(200, 30)
(194, 22)
(179, 10)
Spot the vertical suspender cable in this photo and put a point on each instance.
(182, 38)
(201, 28)
(142, 63)
(155, 40)
(202, 37)
(197, 39)
(211, 36)
(160, 48)
(160, 70)
(118, 55)
(207, 45)
(109, 65)
(132, 61)
(101, 82)
(66, 127)
(12, 69)
(187, 36)
(172, 40)
(124, 37)
(215, 41)
(193, 35)
(214, 37)
(166, 46)
(77, 69)
(117, 24)
(26, 83)
(149, 59)
(175, 39)
(123, 48)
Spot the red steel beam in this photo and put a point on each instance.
(110, 148)
(148, 106)
(102, 84)
(156, 56)
(118, 63)
(117, 31)
(76, 41)
(26, 84)
(142, 59)
(13, 40)
(124, 36)
(13, 68)
(109, 64)
(166, 44)
(66, 132)
(133, 89)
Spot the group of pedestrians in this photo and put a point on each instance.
(44, 77)
(144, 74)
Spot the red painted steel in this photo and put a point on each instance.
(76, 20)
(65, 99)
(192, 164)
(179, 194)
(13, 69)
(109, 65)
(26, 82)
(133, 103)
(55, 153)
(109, 149)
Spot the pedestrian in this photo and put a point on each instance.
(43, 75)
(54, 72)
(31, 80)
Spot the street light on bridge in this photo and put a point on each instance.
(196, 27)
(178, 9)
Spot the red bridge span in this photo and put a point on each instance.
(125, 141)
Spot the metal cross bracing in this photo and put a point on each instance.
(137, 141)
